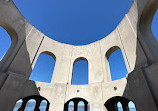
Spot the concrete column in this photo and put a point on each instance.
(115, 108)
(107, 73)
(47, 108)
(125, 105)
(85, 106)
(75, 105)
(38, 102)
(66, 106)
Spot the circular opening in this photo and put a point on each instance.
(115, 88)
(76, 22)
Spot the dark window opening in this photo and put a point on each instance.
(119, 104)
(32, 103)
(77, 104)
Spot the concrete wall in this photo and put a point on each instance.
(133, 36)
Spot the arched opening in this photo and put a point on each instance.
(32, 103)
(81, 106)
(117, 103)
(119, 106)
(131, 106)
(43, 105)
(80, 72)
(5, 42)
(154, 26)
(18, 105)
(116, 63)
(77, 104)
(71, 106)
(30, 106)
(44, 68)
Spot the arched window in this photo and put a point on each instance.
(43, 69)
(43, 105)
(30, 106)
(71, 106)
(154, 26)
(5, 42)
(81, 106)
(18, 105)
(119, 106)
(76, 104)
(131, 106)
(80, 72)
(116, 63)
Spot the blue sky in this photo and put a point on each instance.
(76, 22)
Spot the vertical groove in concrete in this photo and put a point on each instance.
(123, 49)
(37, 50)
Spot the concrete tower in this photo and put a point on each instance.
(133, 36)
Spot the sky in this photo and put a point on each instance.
(76, 22)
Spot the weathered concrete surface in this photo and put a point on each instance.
(133, 36)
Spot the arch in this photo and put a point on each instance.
(5, 42)
(44, 67)
(80, 71)
(33, 99)
(131, 106)
(113, 103)
(30, 105)
(111, 50)
(116, 63)
(76, 101)
(12, 36)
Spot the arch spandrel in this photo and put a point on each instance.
(116, 87)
